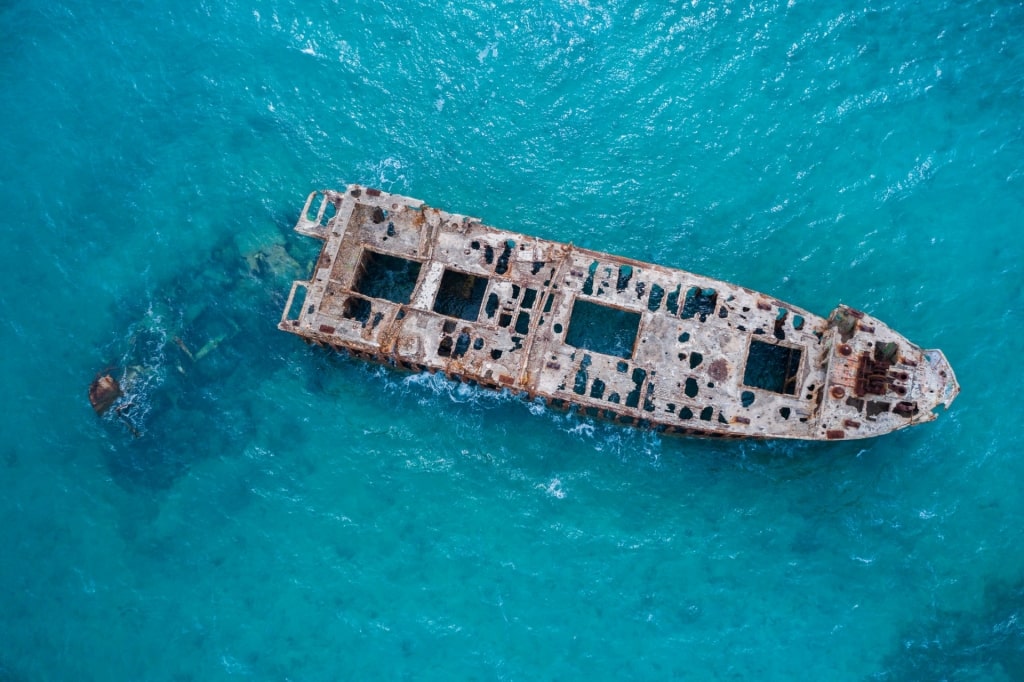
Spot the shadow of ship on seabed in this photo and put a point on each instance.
(178, 386)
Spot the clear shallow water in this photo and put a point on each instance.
(286, 514)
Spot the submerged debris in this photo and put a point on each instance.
(179, 335)
(408, 285)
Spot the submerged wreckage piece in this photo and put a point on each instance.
(104, 392)
(416, 287)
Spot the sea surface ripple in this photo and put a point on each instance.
(269, 511)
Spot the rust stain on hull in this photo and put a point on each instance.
(423, 289)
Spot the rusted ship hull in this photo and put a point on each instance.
(413, 286)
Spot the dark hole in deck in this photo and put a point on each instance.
(492, 305)
(357, 308)
(649, 398)
(625, 274)
(672, 304)
(633, 397)
(460, 295)
(699, 302)
(780, 319)
(588, 283)
(461, 344)
(388, 277)
(876, 407)
(580, 384)
(654, 302)
(523, 323)
(772, 367)
(444, 348)
(602, 329)
(501, 267)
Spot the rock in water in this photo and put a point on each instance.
(103, 391)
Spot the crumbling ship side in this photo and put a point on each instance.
(416, 287)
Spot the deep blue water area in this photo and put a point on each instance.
(267, 510)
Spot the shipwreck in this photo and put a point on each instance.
(422, 289)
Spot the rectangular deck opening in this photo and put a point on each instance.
(772, 367)
(388, 277)
(460, 295)
(602, 329)
(295, 301)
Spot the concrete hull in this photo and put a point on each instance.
(423, 289)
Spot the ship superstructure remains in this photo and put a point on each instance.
(419, 288)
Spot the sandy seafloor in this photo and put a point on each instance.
(287, 514)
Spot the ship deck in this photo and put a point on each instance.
(427, 290)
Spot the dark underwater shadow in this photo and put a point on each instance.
(987, 644)
(190, 358)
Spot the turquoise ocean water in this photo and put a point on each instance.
(287, 514)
